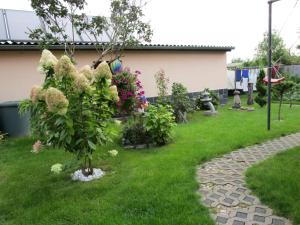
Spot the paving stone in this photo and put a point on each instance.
(215, 196)
(241, 189)
(235, 195)
(278, 222)
(223, 191)
(221, 220)
(237, 222)
(222, 184)
(241, 215)
(259, 218)
(228, 200)
(260, 210)
(249, 199)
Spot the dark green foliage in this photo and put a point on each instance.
(134, 131)
(159, 123)
(181, 102)
(261, 88)
(152, 127)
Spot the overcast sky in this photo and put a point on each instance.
(238, 23)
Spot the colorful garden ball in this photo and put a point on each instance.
(116, 66)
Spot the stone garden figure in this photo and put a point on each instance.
(236, 100)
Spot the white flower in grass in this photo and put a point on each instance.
(56, 168)
(113, 153)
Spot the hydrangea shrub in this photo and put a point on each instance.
(72, 108)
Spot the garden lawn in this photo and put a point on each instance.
(141, 187)
(277, 182)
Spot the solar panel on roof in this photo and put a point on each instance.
(19, 23)
(3, 35)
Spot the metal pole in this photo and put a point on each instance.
(269, 64)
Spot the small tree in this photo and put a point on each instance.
(180, 102)
(124, 28)
(72, 108)
(162, 84)
(260, 99)
(280, 89)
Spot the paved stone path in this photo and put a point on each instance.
(223, 189)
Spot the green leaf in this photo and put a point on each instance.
(92, 145)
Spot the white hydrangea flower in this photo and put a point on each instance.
(113, 152)
(56, 168)
(47, 61)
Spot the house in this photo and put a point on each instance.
(196, 67)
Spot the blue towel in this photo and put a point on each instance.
(238, 75)
(245, 73)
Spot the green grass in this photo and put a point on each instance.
(142, 187)
(277, 182)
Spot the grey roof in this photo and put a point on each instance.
(15, 25)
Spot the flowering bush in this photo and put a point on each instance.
(71, 109)
(130, 91)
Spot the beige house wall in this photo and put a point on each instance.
(195, 69)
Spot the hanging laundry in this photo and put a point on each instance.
(245, 84)
(253, 73)
(238, 75)
(245, 73)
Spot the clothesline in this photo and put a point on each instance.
(247, 68)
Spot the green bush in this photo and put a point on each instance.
(134, 131)
(261, 88)
(181, 102)
(159, 122)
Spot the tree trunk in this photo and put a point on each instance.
(279, 111)
(250, 94)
